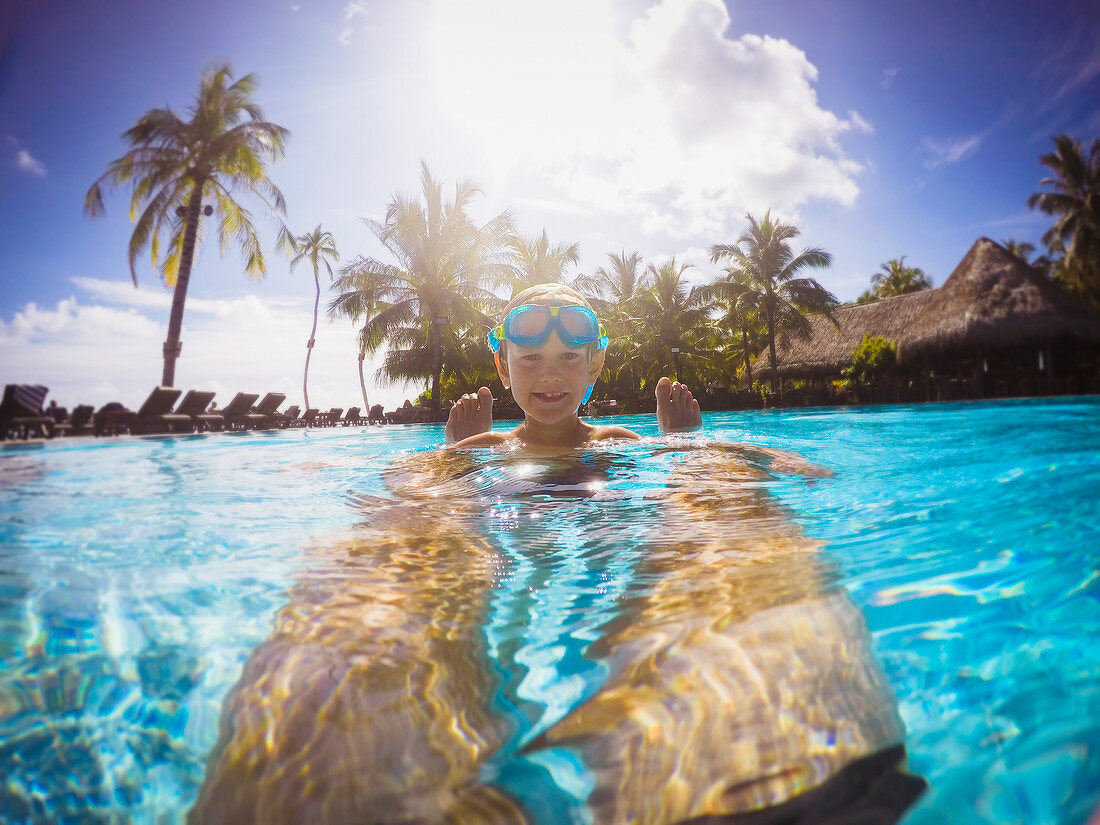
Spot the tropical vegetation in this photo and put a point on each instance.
(359, 297)
(440, 288)
(674, 340)
(431, 308)
(739, 330)
(616, 292)
(537, 261)
(873, 357)
(895, 278)
(1074, 200)
(763, 260)
(428, 306)
(182, 170)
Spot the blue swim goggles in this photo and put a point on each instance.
(530, 326)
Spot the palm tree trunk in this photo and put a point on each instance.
(172, 344)
(437, 366)
(312, 335)
(363, 384)
(771, 346)
(745, 351)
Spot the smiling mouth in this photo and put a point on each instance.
(550, 396)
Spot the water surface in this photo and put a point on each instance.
(137, 577)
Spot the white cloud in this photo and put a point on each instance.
(944, 152)
(1024, 220)
(352, 11)
(89, 352)
(1076, 63)
(26, 162)
(666, 119)
(124, 292)
(888, 76)
(859, 124)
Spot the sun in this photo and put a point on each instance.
(524, 81)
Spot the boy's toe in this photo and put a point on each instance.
(484, 398)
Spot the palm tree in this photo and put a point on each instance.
(895, 279)
(676, 321)
(465, 362)
(445, 265)
(742, 306)
(221, 150)
(359, 298)
(614, 293)
(1076, 202)
(1022, 250)
(314, 246)
(537, 262)
(763, 258)
(1044, 263)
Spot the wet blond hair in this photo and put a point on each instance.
(560, 294)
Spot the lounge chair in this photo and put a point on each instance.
(309, 418)
(332, 417)
(238, 415)
(377, 416)
(21, 412)
(155, 414)
(180, 420)
(289, 418)
(351, 417)
(194, 406)
(60, 416)
(80, 420)
(269, 409)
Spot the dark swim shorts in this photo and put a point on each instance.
(874, 790)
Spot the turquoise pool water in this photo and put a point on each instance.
(138, 576)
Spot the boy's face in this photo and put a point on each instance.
(549, 382)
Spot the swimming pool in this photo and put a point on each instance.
(137, 576)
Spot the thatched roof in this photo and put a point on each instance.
(992, 299)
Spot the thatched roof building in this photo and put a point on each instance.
(991, 301)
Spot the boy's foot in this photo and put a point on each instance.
(471, 415)
(677, 408)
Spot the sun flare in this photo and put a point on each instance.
(525, 80)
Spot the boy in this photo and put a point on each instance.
(729, 679)
(549, 351)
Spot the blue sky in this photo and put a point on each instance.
(884, 129)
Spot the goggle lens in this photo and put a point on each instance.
(579, 323)
(529, 324)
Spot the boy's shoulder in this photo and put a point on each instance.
(601, 432)
(487, 439)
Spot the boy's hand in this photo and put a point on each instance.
(677, 408)
(471, 415)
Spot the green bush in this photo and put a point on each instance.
(874, 357)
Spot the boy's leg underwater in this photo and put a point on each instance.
(739, 677)
(369, 702)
